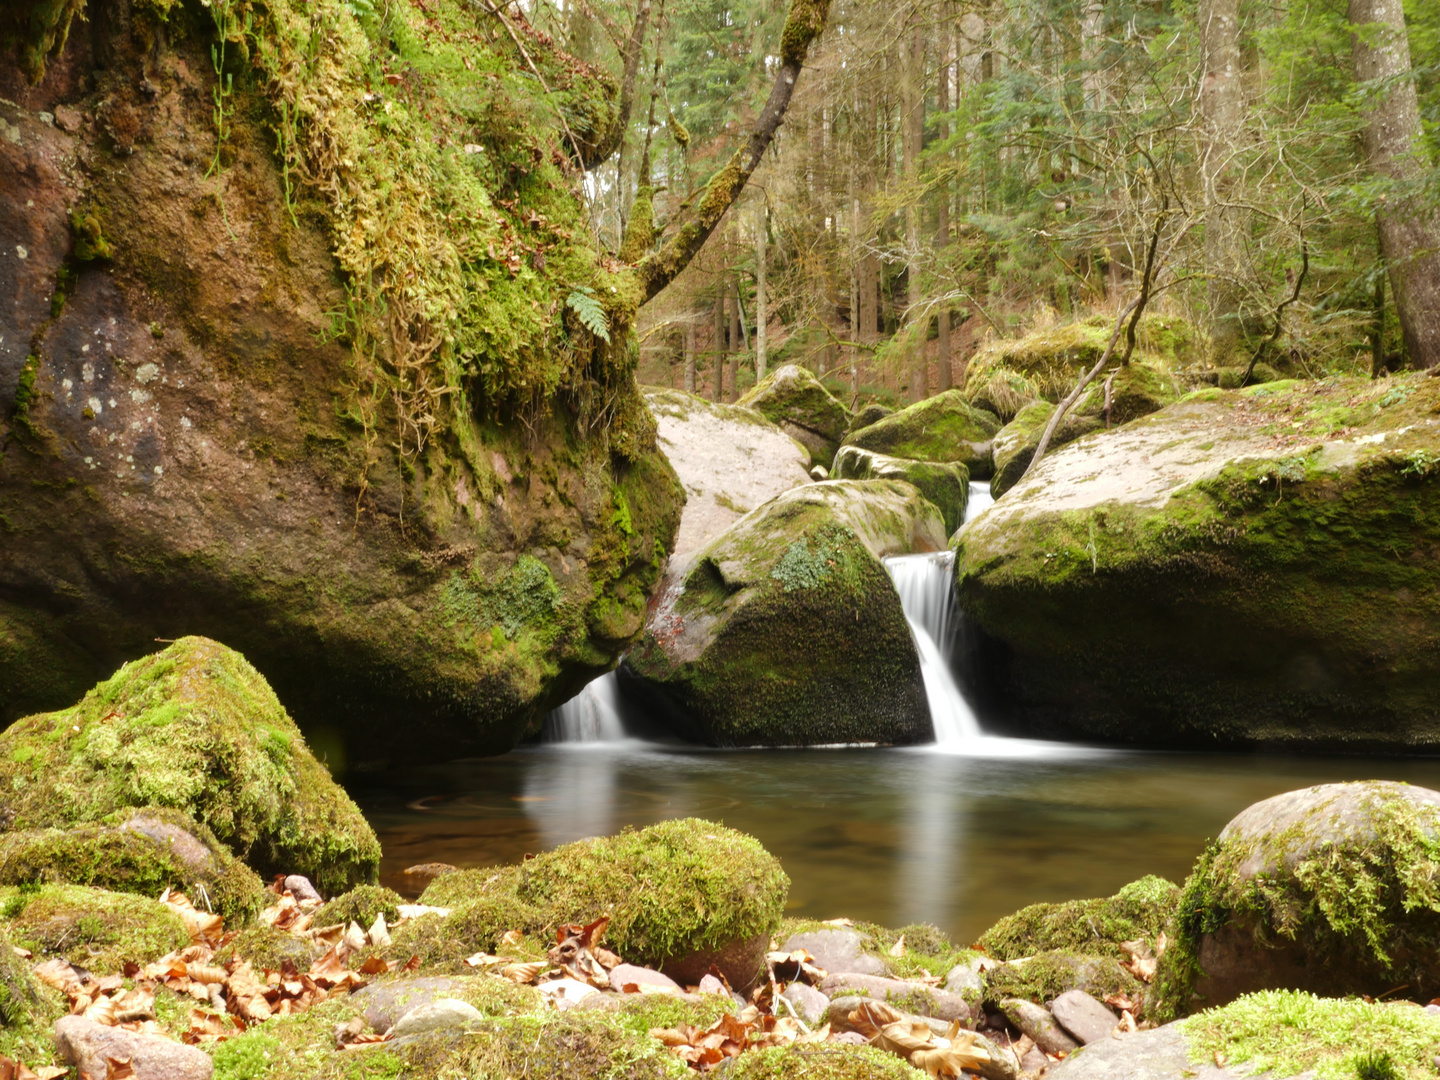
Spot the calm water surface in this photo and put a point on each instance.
(893, 836)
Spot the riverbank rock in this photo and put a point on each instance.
(945, 484)
(90, 1047)
(869, 414)
(94, 929)
(1161, 1054)
(1015, 444)
(839, 950)
(1138, 912)
(942, 428)
(1136, 389)
(1259, 564)
(910, 997)
(1084, 1018)
(729, 460)
(798, 402)
(309, 417)
(1047, 975)
(144, 852)
(1035, 1021)
(194, 728)
(681, 895)
(787, 630)
(1329, 889)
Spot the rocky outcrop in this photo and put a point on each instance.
(942, 428)
(353, 428)
(1329, 889)
(1251, 567)
(194, 729)
(799, 403)
(787, 629)
(946, 484)
(729, 460)
(1015, 444)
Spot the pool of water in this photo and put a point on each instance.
(892, 836)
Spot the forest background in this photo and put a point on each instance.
(951, 173)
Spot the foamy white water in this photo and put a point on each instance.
(591, 716)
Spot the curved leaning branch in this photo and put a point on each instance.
(802, 27)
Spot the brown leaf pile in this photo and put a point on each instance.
(939, 1058)
(11, 1069)
(1143, 959)
(730, 1036)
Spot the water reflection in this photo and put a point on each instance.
(893, 836)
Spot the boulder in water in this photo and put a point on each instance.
(1257, 563)
(945, 427)
(196, 729)
(798, 402)
(787, 630)
(946, 484)
(1330, 889)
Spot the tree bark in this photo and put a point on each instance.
(690, 355)
(1409, 229)
(912, 131)
(1222, 112)
(717, 372)
(735, 334)
(760, 300)
(944, 377)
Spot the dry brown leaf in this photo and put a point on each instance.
(379, 933)
(203, 926)
(61, 974)
(45, 1072)
(134, 1006)
(118, 1069)
(484, 959)
(374, 966)
(330, 935)
(838, 922)
(354, 939)
(898, 949)
(102, 1011)
(512, 938)
(18, 1070)
(24, 954)
(522, 973)
(246, 995)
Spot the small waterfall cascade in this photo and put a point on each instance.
(591, 716)
(927, 596)
(980, 499)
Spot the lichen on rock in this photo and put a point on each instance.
(194, 728)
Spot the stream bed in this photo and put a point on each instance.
(892, 836)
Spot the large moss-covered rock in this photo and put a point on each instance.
(798, 402)
(1002, 392)
(28, 1009)
(946, 484)
(322, 394)
(1252, 567)
(194, 728)
(680, 895)
(787, 629)
(1015, 444)
(1136, 389)
(138, 851)
(1333, 889)
(92, 928)
(1138, 912)
(945, 427)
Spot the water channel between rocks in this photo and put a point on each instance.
(959, 833)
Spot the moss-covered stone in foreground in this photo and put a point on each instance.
(197, 729)
(1046, 975)
(94, 929)
(1287, 1031)
(360, 905)
(946, 484)
(821, 1063)
(1139, 911)
(673, 891)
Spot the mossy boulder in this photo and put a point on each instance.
(1015, 444)
(787, 630)
(1136, 389)
(92, 928)
(681, 895)
(1232, 378)
(139, 851)
(1259, 564)
(1138, 912)
(1045, 976)
(362, 904)
(28, 1009)
(268, 949)
(869, 414)
(194, 728)
(1330, 889)
(300, 407)
(798, 402)
(943, 428)
(945, 484)
(1002, 392)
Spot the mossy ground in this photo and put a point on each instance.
(822, 1063)
(1288, 1031)
(681, 887)
(194, 728)
(92, 928)
(1139, 911)
(28, 1009)
(362, 905)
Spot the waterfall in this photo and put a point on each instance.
(591, 716)
(927, 596)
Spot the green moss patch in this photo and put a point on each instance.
(945, 427)
(94, 929)
(1139, 911)
(821, 1063)
(1047, 975)
(362, 905)
(1288, 1031)
(268, 948)
(28, 1010)
(197, 729)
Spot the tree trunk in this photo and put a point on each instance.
(912, 130)
(1092, 30)
(717, 373)
(1409, 229)
(944, 378)
(690, 355)
(1222, 112)
(735, 331)
(759, 291)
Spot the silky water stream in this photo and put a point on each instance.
(958, 832)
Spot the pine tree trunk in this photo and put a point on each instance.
(912, 129)
(1222, 110)
(760, 301)
(944, 378)
(690, 356)
(735, 333)
(717, 374)
(1409, 229)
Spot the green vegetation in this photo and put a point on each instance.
(1047, 975)
(194, 728)
(942, 428)
(99, 930)
(28, 1009)
(1138, 912)
(822, 1063)
(362, 904)
(1287, 1031)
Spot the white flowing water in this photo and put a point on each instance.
(927, 595)
(591, 716)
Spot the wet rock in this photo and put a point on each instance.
(89, 1046)
(385, 1003)
(964, 981)
(1037, 1022)
(1306, 548)
(1083, 1017)
(300, 887)
(1347, 907)
(945, 427)
(906, 996)
(838, 950)
(946, 484)
(624, 974)
(787, 630)
(442, 1014)
(1161, 1054)
(809, 1003)
(799, 403)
